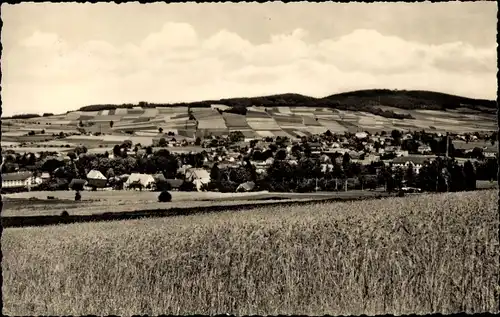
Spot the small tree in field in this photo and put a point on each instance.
(164, 197)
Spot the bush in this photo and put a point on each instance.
(187, 187)
(227, 186)
(306, 186)
(78, 196)
(162, 186)
(164, 197)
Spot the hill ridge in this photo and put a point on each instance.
(352, 100)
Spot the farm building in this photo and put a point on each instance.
(416, 160)
(96, 179)
(198, 176)
(145, 180)
(19, 180)
(77, 184)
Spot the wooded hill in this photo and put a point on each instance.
(361, 100)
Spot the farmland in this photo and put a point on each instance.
(420, 254)
(284, 115)
(35, 203)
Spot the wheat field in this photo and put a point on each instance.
(420, 254)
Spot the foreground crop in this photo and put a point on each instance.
(430, 253)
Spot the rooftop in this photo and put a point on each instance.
(21, 176)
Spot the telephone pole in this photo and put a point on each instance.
(447, 144)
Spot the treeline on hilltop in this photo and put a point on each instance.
(28, 116)
(362, 100)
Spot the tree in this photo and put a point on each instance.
(410, 176)
(160, 130)
(236, 136)
(127, 144)
(470, 176)
(111, 123)
(396, 135)
(215, 174)
(280, 155)
(398, 177)
(164, 197)
(117, 151)
(149, 150)
(110, 173)
(162, 142)
(197, 142)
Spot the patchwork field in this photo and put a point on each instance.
(422, 254)
(292, 121)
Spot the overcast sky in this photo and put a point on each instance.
(59, 57)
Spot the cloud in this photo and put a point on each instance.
(175, 64)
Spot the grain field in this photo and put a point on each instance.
(420, 254)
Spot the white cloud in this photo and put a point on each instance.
(174, 64)
(172, 36)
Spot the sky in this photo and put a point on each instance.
(60, 57)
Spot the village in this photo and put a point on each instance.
(231, 163)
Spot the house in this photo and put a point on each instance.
(77, 184)
(246, 187)
(198, 176)
(175, 183)
(96, 179)
(19, 180)
(424, 149)
(370, 158)
(316, 148)
(416, 160)
(361, 135)
(401, 153)
(145, 180)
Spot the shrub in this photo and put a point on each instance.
(227, 186)
(164, 197)
(162, 186)
(187, 187)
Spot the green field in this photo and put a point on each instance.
(420, 254)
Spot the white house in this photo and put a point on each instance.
(198, 176)
(416, 160)
(144, 179)
(20, 180)
(96, 179)
(361, 135)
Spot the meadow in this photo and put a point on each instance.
(419, 254)
(34, 203)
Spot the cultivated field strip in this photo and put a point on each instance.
(423, 254)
